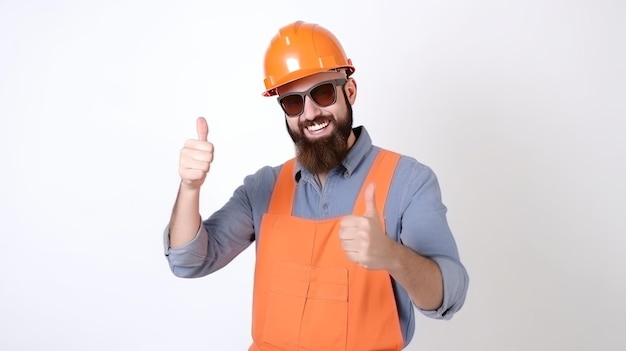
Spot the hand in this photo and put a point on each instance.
(363, 238)
(196, 157)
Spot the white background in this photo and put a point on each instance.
(519, 108)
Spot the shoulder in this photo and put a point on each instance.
(412, 177)
(264, 178)
(408, 168)
(415, 167)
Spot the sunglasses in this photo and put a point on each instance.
(323, 94)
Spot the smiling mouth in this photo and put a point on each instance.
(317, 126)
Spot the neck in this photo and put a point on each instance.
(321, 179)
(351, 139)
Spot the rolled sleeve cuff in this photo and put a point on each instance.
(192, 254)
(455, 284)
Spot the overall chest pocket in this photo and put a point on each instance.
(307, 308)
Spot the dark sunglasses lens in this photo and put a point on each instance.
(292, 104)
(324, 95)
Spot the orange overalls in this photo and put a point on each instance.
(307, 295)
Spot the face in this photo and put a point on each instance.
(322, 135)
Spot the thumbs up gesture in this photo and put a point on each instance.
(363, 238)
(196, 157)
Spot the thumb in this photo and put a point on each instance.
(370, 201)
(202, 128)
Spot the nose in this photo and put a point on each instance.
(310, 110)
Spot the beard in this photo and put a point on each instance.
(323, 154)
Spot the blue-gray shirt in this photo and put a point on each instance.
(414, 215)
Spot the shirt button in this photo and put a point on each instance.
(325, 206)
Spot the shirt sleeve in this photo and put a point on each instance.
(185, 260)
(226, 233)
(455, 283)
(425, 229)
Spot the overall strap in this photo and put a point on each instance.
(381, 174)
(281, 201)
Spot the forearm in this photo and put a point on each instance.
(185, 219)
(420, 277)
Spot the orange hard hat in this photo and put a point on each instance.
(301, 49)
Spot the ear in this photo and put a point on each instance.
(350, 90)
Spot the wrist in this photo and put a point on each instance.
(189, 188)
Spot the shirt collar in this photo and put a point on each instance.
(356, 155)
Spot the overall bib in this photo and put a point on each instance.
(307, 295)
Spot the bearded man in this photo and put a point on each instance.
(350, 237)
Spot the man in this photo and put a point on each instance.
(349, 236)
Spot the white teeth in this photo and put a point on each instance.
(316, 127)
